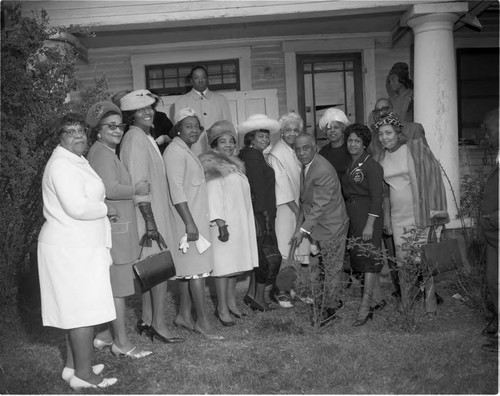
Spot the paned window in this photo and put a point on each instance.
(173, 79)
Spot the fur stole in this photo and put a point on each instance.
(218, 165)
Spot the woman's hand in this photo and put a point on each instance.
(112, 214)
(192, 232)
(163, 139)
(141, 187)
(367, 232)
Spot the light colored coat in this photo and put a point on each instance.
(186, 183)
(287, 169)
(211, 108)
(229, 200)
(73, 245)
(322, 202)
(143, 161)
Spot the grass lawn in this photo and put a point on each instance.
(273, 352)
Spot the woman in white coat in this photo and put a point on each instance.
(74, 253)
(287, 169)
(234, 239)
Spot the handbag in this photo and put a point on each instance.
(446, 256)
(154, 269)
(273, 257)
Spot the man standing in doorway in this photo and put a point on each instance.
(209, 106)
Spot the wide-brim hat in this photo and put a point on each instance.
(138, 99)
(220, 128)
(259, 121)
(98, 110)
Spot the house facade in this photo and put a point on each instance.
(304, 56)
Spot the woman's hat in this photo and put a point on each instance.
(98, 110)
(136, 100)
(184, 113)
(258, 121)
(389, 119)
(220, 128)
(333, 114)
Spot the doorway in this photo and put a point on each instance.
(329, 80)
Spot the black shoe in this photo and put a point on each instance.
(238, 316)
(361, 322)
(224, 323)
(153, 333)
(142, 326)
(491, 328)
(248, 300)
(491, 346)
(380, 305)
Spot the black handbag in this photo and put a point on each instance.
(446, 256)
(273, 257)
(154, 269)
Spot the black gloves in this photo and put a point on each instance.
(267, 222)
(223, 233)
(151, 233)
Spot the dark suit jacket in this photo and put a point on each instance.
(322, 203)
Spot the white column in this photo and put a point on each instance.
(435, 96)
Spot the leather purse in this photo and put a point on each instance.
(446, 256)
(154, 269)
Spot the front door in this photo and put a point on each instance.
(329, 80)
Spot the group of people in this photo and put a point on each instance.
(214, 206)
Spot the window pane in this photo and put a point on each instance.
(230, 79)
(170, 72)
(228, 68)
(349, 65)
(329, 66)
(154, 84)
(214, 69)
(215, 80)
(171, 83)
(184, 71)
(307, 67)
(155, 73)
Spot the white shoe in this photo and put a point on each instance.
(100, 345)
(284, 300)
(68, 373)
(77, 383)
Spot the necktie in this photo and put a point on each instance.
(303, 175)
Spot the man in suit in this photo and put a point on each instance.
(209, 106)
(323, 217)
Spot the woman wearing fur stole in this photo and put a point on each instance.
(234, 239)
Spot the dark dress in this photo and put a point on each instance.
(162, 126)
(339, 157)
(362, 187)
(262, 189)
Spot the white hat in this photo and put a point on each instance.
(259, 121)
(184, 113)
(332, 114)
(136, 100)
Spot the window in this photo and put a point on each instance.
(173, 79)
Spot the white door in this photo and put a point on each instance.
(242, 105)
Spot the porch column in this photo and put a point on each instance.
(435, 91)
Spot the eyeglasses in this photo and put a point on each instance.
(75, 132)
(114, 126)
(383, 110)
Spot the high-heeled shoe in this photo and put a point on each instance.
(181, 323)
(68, 373)
(142, 326)
(137, 355)
(214, 337)
(237, 315)
(224, 323)
(77, 383)
(361, 322)
(254, 305)
(153, 333)
(248, 300)
(100, 345)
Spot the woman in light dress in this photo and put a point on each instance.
(416, 190)
(188, 207)
(74, 253)
(234, 240)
